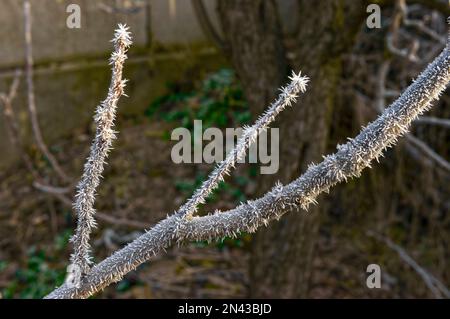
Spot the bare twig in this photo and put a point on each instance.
(409, 54)
(12, 126)
(13, 133)
(31, 99)
(131, 8)
(59, 194)
(52, 189)
(418, 24)
(380, 102)
(434, 121)
(393, 35)
(421, 145)
(438, 289)
(206, 24)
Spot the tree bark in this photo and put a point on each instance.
(280, 265)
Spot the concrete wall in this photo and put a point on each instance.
(71, 71)
(162, 21)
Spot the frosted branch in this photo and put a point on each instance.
(287, 97)
(93, 168)
(348, 161)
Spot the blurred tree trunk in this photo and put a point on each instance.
(281, 258)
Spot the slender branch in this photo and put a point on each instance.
(421, 145)
(14, 136)
(380, 101)
(380, 104)
(122, 221)
(14, 85)
(130, 8)
(393, 34)
(287, 97)
(93, 168)
(434, 121)
(438, 289)
(52, 189)
(349, 160)
(418, 24)
(30, 94)
(206, 24)
(58, 193)
(11, 123)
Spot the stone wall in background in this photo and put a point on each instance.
(71, 71)
(162, 21)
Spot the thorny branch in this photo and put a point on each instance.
(287, 97)
(349, 161)
(93, 169)
(401, 15)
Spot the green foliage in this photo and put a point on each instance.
(218, 101)
(234, 189)
(37, 278)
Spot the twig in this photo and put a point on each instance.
(418, 24)
(13, 133)
(393, 34)
(438, 289)
(380, 103)
(349, 161)
(115, 9)
(93, 168)
(287, 97)
(206, 24)
(59, 194)
(11, 123)
(30, 93)
(428, 151)
(122, 221)
(52, 189)
(434, 121)
(409, 54)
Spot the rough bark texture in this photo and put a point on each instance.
(280, 265)
(253, 34)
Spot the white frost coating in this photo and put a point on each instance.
(287, 97)
(349, 160)
(93, 168)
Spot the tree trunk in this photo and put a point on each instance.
(281, 258)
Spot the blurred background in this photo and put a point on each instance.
(222, 62)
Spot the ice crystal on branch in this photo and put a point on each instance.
(347, 162)
(93, 168)
(288, 96)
